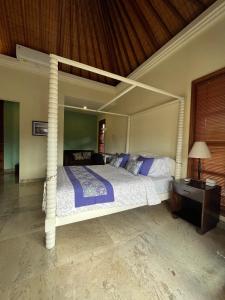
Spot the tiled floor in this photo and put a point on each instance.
(138, 254)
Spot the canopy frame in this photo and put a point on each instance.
(51, 180)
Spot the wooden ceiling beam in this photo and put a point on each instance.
(5, 40)
(74, 49)
(93, 45)
(145, 25)
(66, 35)
(40, 21)
(130, 50)
(102, 45)
(60, 28)
(161, 21)
(120, 14)
(85, 38)
(144, 37)
(134, 31)
(109, 42)
(200, 4)
(82, 34)
(14, 26)
(134, 42)
(112, 58)
(77, 34)
(49, 24)
(100, 34)
(175, 12)
(24, 22)
(71, 33)
(63, 40)
(109, 53)
(114, 38)
(115, 35)
(123, 46)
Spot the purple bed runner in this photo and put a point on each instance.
(89, 187)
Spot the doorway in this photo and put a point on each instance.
(101, 136)
(9, 137)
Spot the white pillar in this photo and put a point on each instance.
(52, 153)
(128, 135)
(180, 132)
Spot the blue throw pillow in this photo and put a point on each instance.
(146, 166)
(125, 159)
(133, 166)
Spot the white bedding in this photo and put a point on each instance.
(128, 190)
(162, 184)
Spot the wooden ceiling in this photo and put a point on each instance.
(114, 35)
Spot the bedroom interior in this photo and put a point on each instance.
(130, 176)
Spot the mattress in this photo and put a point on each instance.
(162, 184)
(129, 190)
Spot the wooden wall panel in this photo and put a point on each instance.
(1, 136)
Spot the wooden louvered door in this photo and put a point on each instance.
(208, 124)
(1, 137)
(101, 136)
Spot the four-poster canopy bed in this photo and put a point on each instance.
(52, 219)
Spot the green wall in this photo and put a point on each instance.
(11, 134)
(80, 131)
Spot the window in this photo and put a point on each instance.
(208, 124)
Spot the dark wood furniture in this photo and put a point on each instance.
(90, 158)
(196, 203)
(69, 158)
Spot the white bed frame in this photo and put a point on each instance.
(85, 215)
(51, 220)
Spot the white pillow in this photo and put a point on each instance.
(160, 167)
(147, 154)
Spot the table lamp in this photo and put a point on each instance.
(199, 150)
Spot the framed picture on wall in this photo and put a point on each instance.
(39, 128)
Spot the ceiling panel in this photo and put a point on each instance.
(114, 35)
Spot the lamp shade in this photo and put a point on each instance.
(200, 150)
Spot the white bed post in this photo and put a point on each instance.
(128, 135)
(180, 132)
(50, 224)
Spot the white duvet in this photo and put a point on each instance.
(129, 190)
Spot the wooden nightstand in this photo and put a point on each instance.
(196, 203)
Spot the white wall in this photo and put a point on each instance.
(152, 128)
(31, 91)
(116, 133)
(202, 55)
